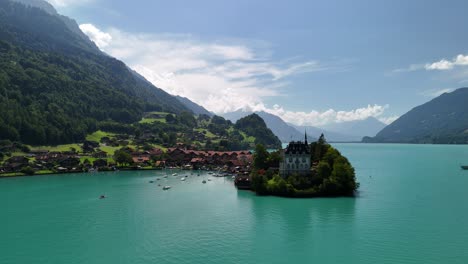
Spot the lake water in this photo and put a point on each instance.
(412, 208)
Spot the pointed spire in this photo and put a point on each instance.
(305, 133)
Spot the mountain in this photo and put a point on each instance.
(287, 132)
(56, 85)
(358, 129)
(43, 5)
(281, 129)
(195, 108)
(330, 136)
(255, 126)
(443, 120)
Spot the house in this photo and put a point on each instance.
(140, 158)
(100, 163)
(156, 152)
(100, 154)
(69, 162)
(15, 163)
(295, 159)
(89, 146)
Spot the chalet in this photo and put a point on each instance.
(100, 154)
(295, 159)
(18, 159)
(140, 158)
(69, 162)
(100, 163)
(16, 163)
(156, 152)
(89, 146)
(39, 152)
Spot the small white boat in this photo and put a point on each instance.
(209, 179)
(233, 177)
(165, 176)
(174, 174)
(183, 179)
(166, 187)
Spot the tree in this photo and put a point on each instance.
(170, 119)
(28, 170)
(260, 157)
(259, 184)
(123, 157)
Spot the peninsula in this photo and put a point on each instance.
(301, 170)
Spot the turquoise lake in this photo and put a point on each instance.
(412, 208)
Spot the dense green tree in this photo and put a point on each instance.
(260, 157)
(28, 170)
(123, 157)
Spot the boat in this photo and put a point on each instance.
(165, 176)
(203, 181)
(166, 188)
(233, 177)
(158, 179)
(183, 179)
(464, 167)
(151, 181)
(174, 174)
(209, 179)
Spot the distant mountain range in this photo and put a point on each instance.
(358, 128)
(443, 120)
(344, 132)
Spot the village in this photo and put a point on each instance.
(91, 158)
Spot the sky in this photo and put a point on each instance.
(309, 62)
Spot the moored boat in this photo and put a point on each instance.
(166, 188)
(464, 167)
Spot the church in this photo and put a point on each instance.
(295, 159)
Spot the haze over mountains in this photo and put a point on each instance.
(342, 132)
(442, 120)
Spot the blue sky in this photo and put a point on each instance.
(310, 62)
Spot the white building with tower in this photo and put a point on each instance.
(295, 159)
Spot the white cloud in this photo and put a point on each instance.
(436, 92)
(441, 65)
(64, 3)
(101, 39)
(316, 118)
(444, 64)
(221, 77)
(388, 120)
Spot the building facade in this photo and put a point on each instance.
(295, 159)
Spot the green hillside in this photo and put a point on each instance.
(56, 86)
(443, 120)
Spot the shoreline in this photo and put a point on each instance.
(3, 176)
